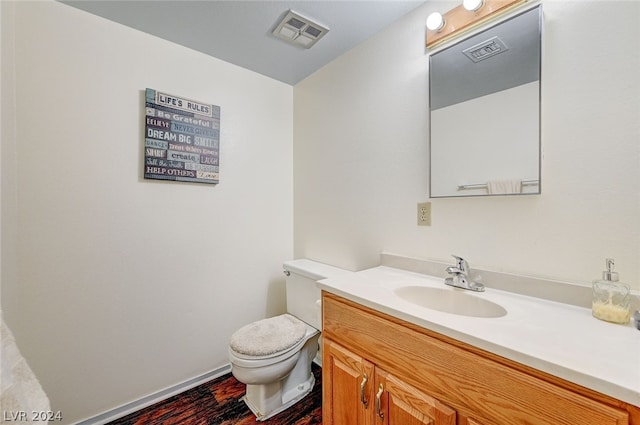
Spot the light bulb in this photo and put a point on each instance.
(435, 21)
(472, 5)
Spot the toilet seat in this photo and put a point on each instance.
(242, 360)
(269, 341)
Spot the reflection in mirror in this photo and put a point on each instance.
(484, 98)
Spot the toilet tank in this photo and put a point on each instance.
(303, 296)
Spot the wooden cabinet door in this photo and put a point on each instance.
(398, 403)
(347, 382)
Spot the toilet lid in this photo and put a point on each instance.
(268, 336)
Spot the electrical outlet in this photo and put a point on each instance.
(424, 214)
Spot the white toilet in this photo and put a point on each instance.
(273, 356)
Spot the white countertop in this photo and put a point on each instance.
(560, 339)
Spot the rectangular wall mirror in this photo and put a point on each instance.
(484, 103)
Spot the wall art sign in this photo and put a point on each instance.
(182, 139)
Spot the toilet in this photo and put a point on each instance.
(273, 356)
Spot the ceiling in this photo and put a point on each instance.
(239, 32)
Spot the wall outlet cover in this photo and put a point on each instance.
(424, 214)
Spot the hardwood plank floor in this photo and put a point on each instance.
(217, 402)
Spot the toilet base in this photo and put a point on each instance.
(266, 401)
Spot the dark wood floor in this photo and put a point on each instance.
(217, 402)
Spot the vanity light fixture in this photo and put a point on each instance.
(472, 5)
(468, 15)
(435, 22)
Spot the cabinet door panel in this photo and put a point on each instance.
(406, 405)
(347, 380)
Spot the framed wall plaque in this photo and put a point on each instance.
(182, 139)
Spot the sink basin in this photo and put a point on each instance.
(450, 301)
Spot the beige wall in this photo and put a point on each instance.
(125, 286)
(361, 156)
(8, 186)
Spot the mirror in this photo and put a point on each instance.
(484, 103)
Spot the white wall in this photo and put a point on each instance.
(126, 286)
(361, 156)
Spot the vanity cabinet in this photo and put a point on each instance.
(356, 392)
(378, 369)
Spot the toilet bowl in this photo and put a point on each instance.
(273, 356)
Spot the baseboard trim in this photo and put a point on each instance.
(125, 409)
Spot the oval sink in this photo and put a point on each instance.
(450, 301)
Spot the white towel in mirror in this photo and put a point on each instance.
(504, 187)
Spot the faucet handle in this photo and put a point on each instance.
(462, 264)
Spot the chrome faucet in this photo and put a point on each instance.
(460, 276)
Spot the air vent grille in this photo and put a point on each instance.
(296, 23)
(486, 49)
(299, 30)
(313, 31)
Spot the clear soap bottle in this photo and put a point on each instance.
(610, 297)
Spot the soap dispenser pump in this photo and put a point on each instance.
(610, 297)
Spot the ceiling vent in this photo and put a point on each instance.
(299, 30)
(486, 49)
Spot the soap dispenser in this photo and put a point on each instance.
(610, 297)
